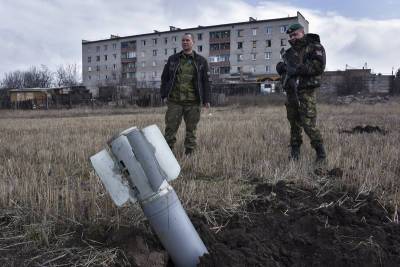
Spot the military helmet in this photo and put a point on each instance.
(294, 27)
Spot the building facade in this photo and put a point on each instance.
(245, 49)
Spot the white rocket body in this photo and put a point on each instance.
(138, 169)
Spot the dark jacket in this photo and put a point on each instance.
(202, 84)
(309, 62)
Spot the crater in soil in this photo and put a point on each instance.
(285, 225)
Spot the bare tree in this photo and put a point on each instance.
(67, 75)
(13, 80)
(38, 77)
(34, 77)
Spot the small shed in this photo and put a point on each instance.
(29, 98)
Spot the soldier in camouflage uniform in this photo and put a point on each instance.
(185, 86)
(301, 73)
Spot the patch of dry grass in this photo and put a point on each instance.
(45, 169)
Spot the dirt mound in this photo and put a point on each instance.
(291, 226)
(365, 129)
(285, 225)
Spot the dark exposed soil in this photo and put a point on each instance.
(285, 225)
(291, 226)
(365, 129)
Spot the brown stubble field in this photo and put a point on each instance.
(45, 175)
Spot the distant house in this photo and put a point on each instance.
(44, 98)
(30, 98)
(354, 81)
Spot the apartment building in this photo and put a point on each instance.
(234, 50)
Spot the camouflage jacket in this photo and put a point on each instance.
(309, 61)
(202, 85)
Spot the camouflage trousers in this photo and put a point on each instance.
(173, 119)
(303, 114)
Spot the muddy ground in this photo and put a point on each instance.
(285, 225)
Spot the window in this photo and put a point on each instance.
(220, 34)
(267, 55)
(143, 42)
(142, 54)
(155, 52)
(224, 70)
(114, 76)
(115, 56)
(214, 47)
(105, 47)
(165, 51)
(175, 50)
(174, 38)
(253, 56)
(154, 41)
(143, 63)
(199, 36)
(89, 59)
(131, 54)
(254, 31)
(224, 46)
(114, 66)
(97, 68)
(200, 48)
(254, 44)
(240, 45)
(130, 44)
(239, 69)
(240, 33)
(214, 70)
(97, 58)
(97, 48)
(213, 59)
(220, 58)
(268, 69)
(268, 43)
(105, 67)
(131, 65)
(240, 57)
(143, 74)
(154, 64)
(90, 77)
(166, 40)
(284, 28)
(89, 69)
(114, 45)
(283, 42)
(105, 57)
(252, 69)
(106, 77)
(154, 74)
(268, 30)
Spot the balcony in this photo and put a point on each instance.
(219, 40)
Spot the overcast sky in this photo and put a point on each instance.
(35, 32)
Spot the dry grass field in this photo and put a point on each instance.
(46, 178)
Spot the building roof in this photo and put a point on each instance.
(30, 90)
(251, 21)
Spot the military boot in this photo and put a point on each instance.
(294, 153)
(321, 154)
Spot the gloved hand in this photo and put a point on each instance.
(280, 68)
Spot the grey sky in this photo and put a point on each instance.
(50, 32)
